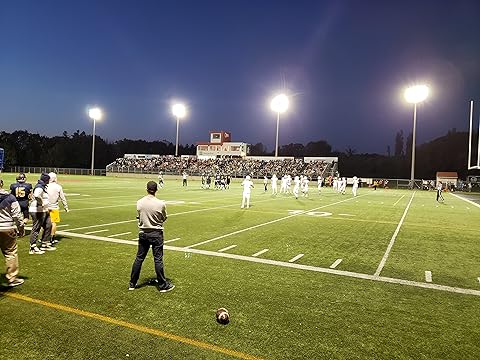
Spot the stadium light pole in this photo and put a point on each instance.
(179, 111)
(279, 104)
(414, 95)
(94, 114)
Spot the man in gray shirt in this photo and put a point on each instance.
(151, 214)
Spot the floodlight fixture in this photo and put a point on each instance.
(279, 104)
(179, 111)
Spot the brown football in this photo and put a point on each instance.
(222, 316)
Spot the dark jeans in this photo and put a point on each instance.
(40, 220)
(145, 240)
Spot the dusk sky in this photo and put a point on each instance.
(345, 64)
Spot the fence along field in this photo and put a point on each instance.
(327, 303)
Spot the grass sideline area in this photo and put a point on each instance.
(298, 277)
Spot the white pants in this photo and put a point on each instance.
(246, 199)
(354, 190)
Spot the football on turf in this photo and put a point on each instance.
(222, 316)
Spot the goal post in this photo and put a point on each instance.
(471, 166)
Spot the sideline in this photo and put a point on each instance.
(140, 328)
(392, 240)
(464, 199)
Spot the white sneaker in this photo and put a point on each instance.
(47, 247)
(36, 251)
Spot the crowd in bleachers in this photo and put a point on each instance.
(236, 167)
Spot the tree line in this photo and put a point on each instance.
(447, 153)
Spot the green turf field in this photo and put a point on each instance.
(324, 277)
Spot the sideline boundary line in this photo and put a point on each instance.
(128, 325)
(258, 260)
(392, 240)
(469, 201)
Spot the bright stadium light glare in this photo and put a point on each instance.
(94, 114)
(416, 94)
(179, 111)
(279, 103)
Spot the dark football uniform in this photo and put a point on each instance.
(22, 191)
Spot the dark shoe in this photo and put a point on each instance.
(16, 282)
(166, 288)
(132, 286)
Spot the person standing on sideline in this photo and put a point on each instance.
(151, 214)
(55, 192)
(40, 217)
(11, 225)
(247, 189)
(184, 178)
(22, 191)
(355, 186)
(265, 183)
(439, 192)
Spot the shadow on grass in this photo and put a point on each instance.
(150, 282)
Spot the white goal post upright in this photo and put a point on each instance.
(470, 166)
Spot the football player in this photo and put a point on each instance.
(23, 192)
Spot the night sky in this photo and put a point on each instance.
(345, 64)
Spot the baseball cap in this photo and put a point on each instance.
(152, 186)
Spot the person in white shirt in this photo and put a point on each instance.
(305, 186)
(335, 184)
(289, 184)
(247, 188)
(274, 184)
(319, 184)
(283, 185)
(296, 186)
(55, 193)
(41, 217)
(342, 185)
(439, 192)
(355, 186)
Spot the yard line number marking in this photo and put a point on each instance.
(335, 264)
(428, 276)
(265, 250)
(227, 248)
(292, 260)
(392, 240)
(140, 328)
(385, 279)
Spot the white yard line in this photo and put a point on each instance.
(469, 201)
(96, 231)
(100, 225)
(227, 248)
(263, 252)
(295, 258)
(478, 279)
(428, 276)
(114, 235)
(172, 240)
(62, 225)
(257, 260)
(396, 202)
(335, 264)
(267, 223)
(392, 240)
